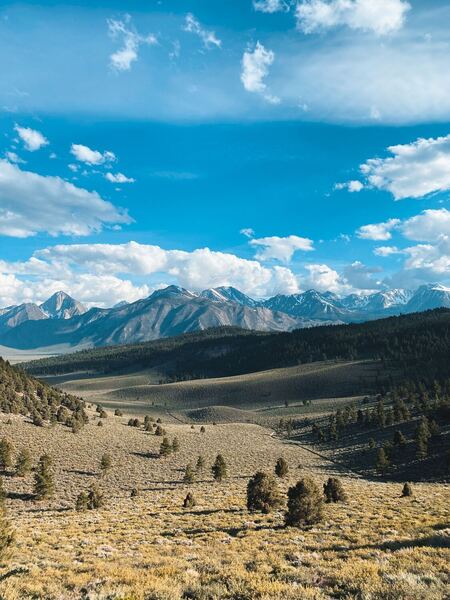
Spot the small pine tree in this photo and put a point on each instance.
(382, 462)
(202, 429)
(281, 468)
(2, 493)
(262, 493)
(134, 493)
(44, 486)
(118, 413)
(82, 502)
(105, 464)
(5, 455)
(305, 504)
(407, 490)
(219, 468)
(399, 438)
(159, 430)
(189, 501)
(23, 463)
(165, 448)
(334, 490)
(175, 444)
(200, 465)
(189, 474)
(95, 498)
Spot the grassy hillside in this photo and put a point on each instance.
(376, 545)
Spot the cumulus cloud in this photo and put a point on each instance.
(385, 251)
(32, 139)
(270, 6)
(209, 38)
(360, 276)
(378, 231)
(91, 157)
(255, 68)
(31, 203)
(279, 248)
(196, 270)
(248, 232)
(118, 178)
(323, 278)
(428, 226)
(414, 171)
(352, 186)
(378, 16)
(122, 59)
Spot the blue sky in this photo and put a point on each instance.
(273, 145)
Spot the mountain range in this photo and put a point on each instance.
(174, 310)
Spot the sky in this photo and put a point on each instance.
(270, 145)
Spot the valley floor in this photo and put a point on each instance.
(376, 546)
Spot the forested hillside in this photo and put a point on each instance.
(413, 346)
(22, 394)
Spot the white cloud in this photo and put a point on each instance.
(13, 157)
(378, 231)
(270, 6)
(32, 139)
(352, 186)
(91, 157)
(378, 16)
(31, 203)
(196, 270)
(255, 68)
(209, 38)
(359, 276)
(325, 279)
(279, 248)
(122, 59)
(429, 226)
(118, 178)
(414, 171)
(386, 251)
(248, 232)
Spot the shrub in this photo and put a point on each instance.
(202, 429)
(219, 468)
(5, 454)
(334, 490)
(159, 430)
(189, 501)
(100, 424)
(200, 464)
(118, 413)
(105, 463)
(262, 493)
(189, 474)
(95, 498)
(134, 493)
(175, 444)
(23, 463)
(407, 490)
(305, 504)
(281, 468)
(6, 535)
(82, 501)
(44, 486)
(165, 448)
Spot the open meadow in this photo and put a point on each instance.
(377, 545)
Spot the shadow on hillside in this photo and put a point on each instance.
(231, 531)
(432, 541)
(146, 455)
(81, 472)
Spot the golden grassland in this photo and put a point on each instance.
(375, 546)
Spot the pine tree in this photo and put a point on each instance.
(262, 493)
(189, 474)
(334, 490)
(95, 498)
(175, 444)
(43, 478)
(200, 465)
(202, 429)
(281, 468)
(5, 455)
(23, 463)
(219, 468)
(82, 502)
(105, 464)
(399, 438)
(407, 490)
(305, 504)
(382, 462)
(189, 501)
(165, 448)
(159, 430)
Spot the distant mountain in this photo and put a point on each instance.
(174, 310)
(309, 305)
(62, 306)
(229, 294)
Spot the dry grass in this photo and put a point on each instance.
(377, 546)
